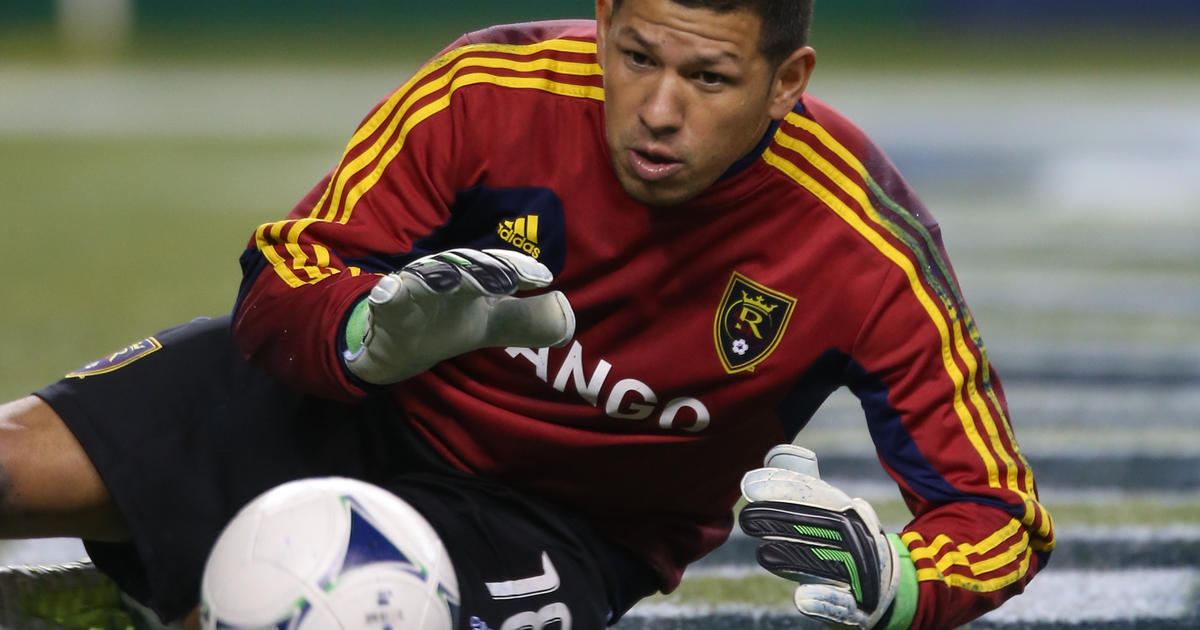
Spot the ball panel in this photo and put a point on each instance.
(382, 596)
(329, 553)
(297, 534)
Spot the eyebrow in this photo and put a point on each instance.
(702, 59)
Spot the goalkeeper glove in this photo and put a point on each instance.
(812, 533)
(446, 304)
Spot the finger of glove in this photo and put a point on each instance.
(792, 457)
(393, 291)
(867, 513)
(396, 295)
(482, 274)
(531, 274)
(531, 322)
(434, 274)
(778, 484)
(830, 604)
(386, 289)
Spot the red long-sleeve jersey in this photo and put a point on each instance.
(707, 332)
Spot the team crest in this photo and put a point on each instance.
(118, 359)
(750, 322)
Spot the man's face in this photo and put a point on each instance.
(687, 93)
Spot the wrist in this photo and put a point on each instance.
(355, 329)
(904, 607)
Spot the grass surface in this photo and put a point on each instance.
(762, 589)
(109, 240)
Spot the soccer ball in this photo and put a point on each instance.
(328, 553)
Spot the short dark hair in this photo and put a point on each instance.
(785, 23)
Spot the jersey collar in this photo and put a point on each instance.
(745, 161)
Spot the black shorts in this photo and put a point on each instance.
(184, 433)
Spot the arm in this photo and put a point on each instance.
(388, 202)
(303, 276)
(978, 535)
(937, 415)
(934, 407)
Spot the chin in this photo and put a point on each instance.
(657, 198)
(658, 194)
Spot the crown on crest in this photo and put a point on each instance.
(757, 303)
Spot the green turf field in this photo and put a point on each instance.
(113, 238)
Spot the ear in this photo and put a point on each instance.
(789, 82)
(603, 20)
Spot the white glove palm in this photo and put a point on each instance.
(815, 534)
(444, 305)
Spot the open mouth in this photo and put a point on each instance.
(656, 158)
(653, 165)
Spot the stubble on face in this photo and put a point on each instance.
(686, 93)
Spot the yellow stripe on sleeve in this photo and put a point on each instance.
(887, 249)
(395, 111)
(419, 116)
(368, 128)
(859, 195)
(1022, 487)
(270, 235)
(933, 550)
(975, 584)
(953, 340)
(945, 559)
(1025, 486)
(274, 259)
(398, 104)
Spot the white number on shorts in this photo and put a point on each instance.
(547, 582)
(546, 615)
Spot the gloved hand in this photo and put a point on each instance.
(446, 304)
(818, 536)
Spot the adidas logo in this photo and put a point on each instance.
(521, 233)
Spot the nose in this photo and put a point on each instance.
(662, 110)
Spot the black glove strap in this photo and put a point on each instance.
(801, 543)
(443, 272)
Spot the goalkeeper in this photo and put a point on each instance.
(565, 286)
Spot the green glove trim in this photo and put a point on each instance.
(837, 555)
(818, 532)
(904, 607)
(356, 326)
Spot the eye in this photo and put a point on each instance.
(711, 79)
(637, 59)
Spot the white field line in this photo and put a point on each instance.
(669, 610)
(190, 101)
(1077, 130)
(1136, 533)
(1103, 596)
(1067, 596)
(1053, 420)
(41, 551)
(56, 550)
(937, 107)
